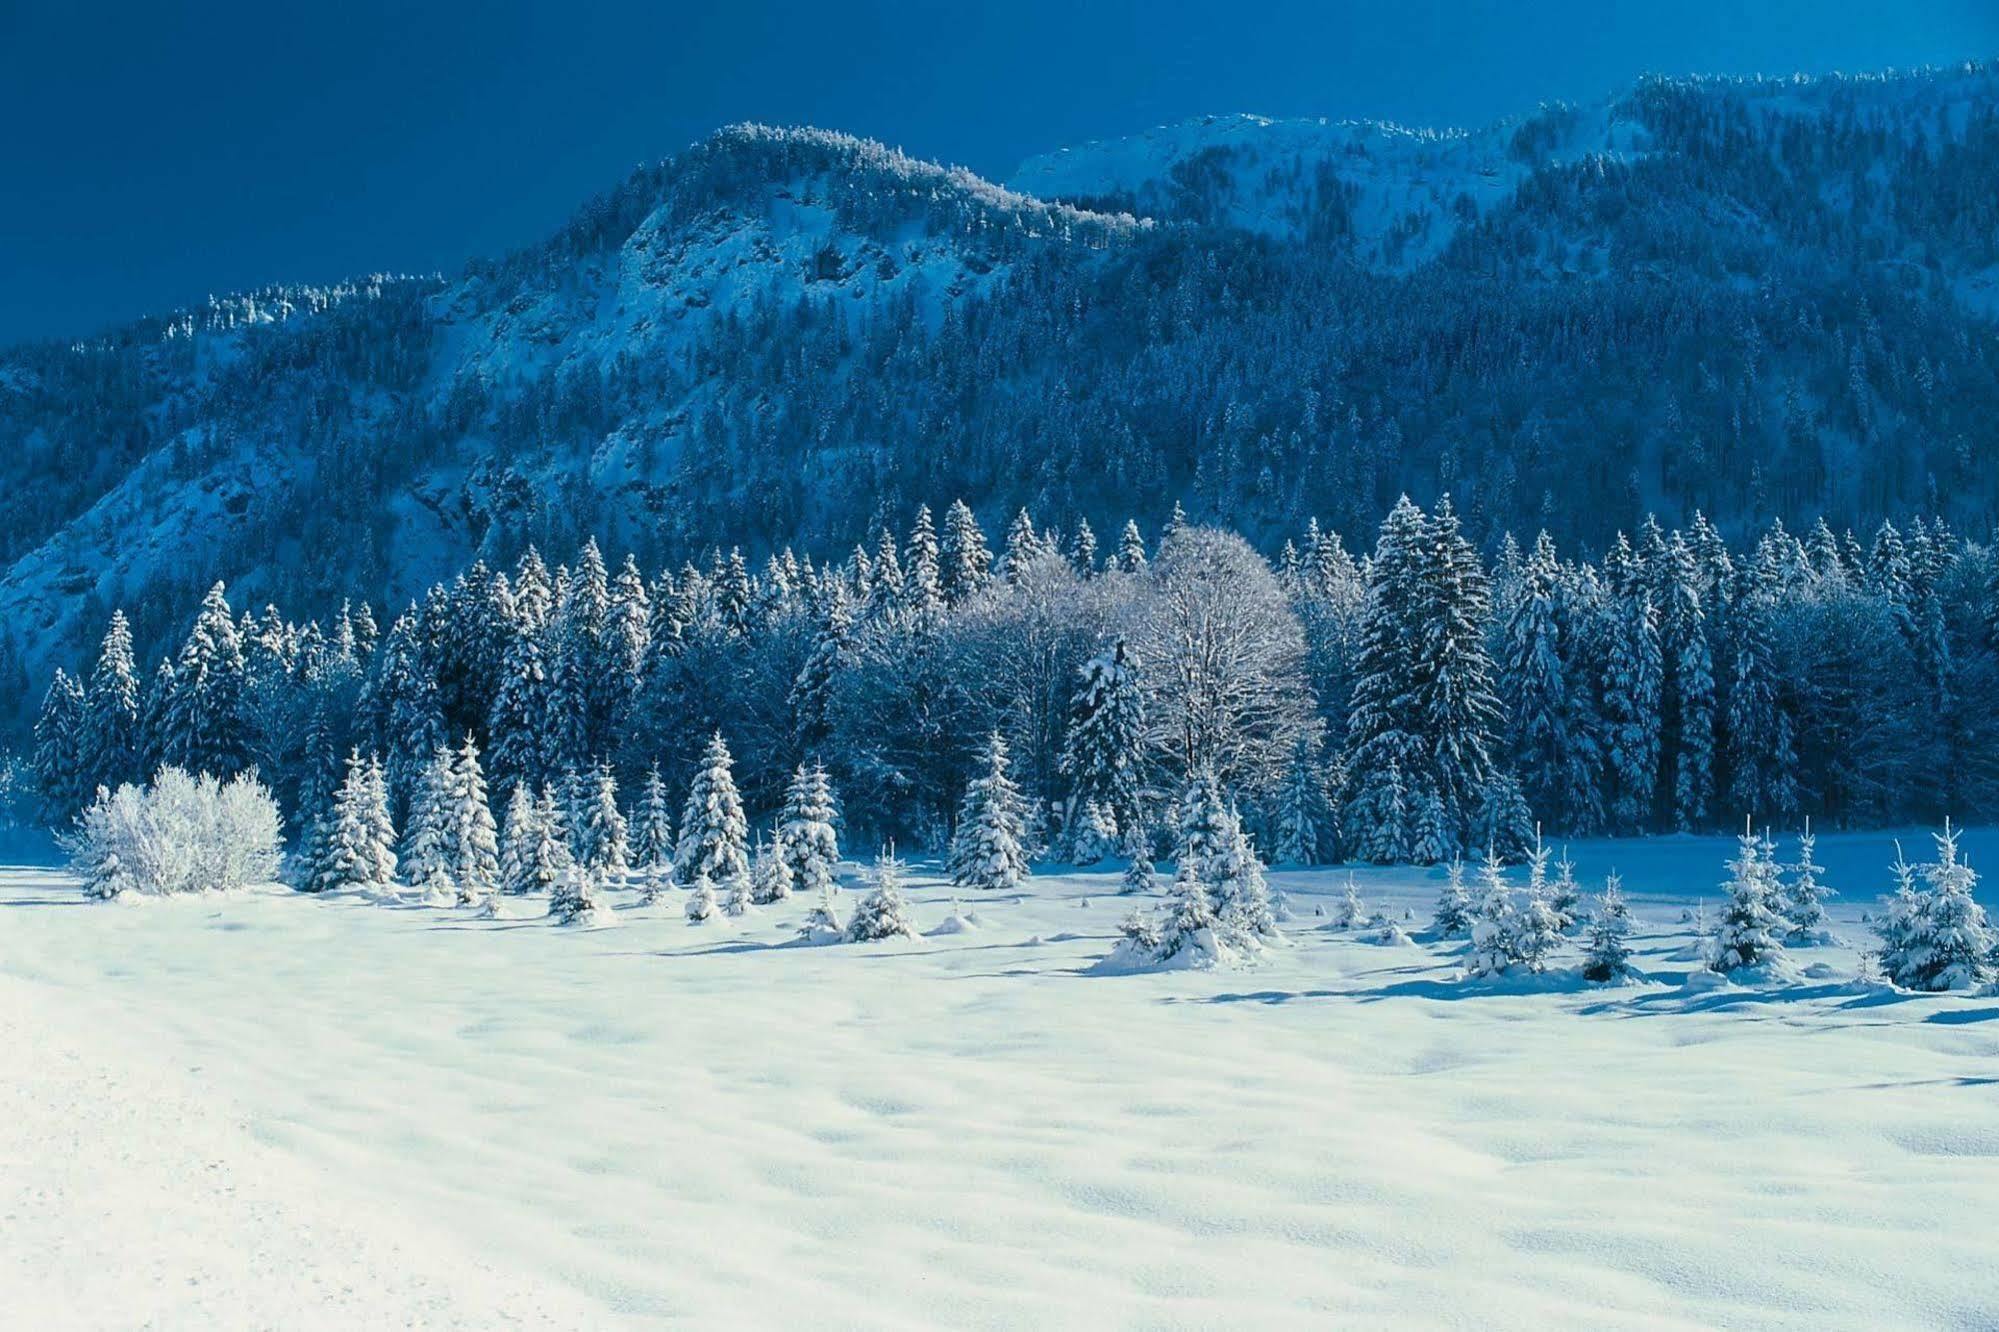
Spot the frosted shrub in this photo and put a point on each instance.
(182, 834)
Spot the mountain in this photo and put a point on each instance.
(1751, 297)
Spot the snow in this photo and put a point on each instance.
(268, 1109)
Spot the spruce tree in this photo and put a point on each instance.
(1495, 931)
(986, 847)
(652, 836)
(573, 900)
(204, 729)
(1747, 935)
(1454, 912)
(517, 843)
(548, 857)
(1138, 872)
(713, 834)
(58, 750)
(882, 913)
(1105, 750)
(429, 833)
(1130, 556)
(1938, 938)
(360, 855)
(109, 747)
(1241, 894)
(1805, 894)
(475, 860)
(1565, 894)
(770, 877)
(964, 562)
(1606, 957)
(807, 841)
(1632, 702)
(605, 851)
(1302, 811)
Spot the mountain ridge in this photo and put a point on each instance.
(779, 334)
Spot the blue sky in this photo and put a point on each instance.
(157, 152)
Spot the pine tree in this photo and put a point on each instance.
(1130, 556)
(360, 855)
(964, 562)
(58, 749)
(1351, 913)
(1495, 931)
(573, 900)
(1537, 929)
(652, 836)
(1804, 894)
(604, 829)
(770, 878)
(1092, 834)
(204, 730)
(1631, 702)
(806, 839)
(1302, 810)
(548, 857)
(1188, 934)
(1106, 745)
(109, 745)
(524, 746)
(701, 903)
(713, 833)
(1690, 690)
(475, 857)
(986, 847)
(1504, 823)
(1241, 894)
(882, 913)
(922, 583)
(1459, 712)
(429, 834)
(1379, 812)
(1945, 942)
(1747, 935)
(1454, 914)
(1606, 957)
(517, 845)
(1536, 683)
(1431, 840)
(1138, 873)
(1565, 894)
(822, 922)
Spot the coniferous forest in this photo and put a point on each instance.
(1409, 702)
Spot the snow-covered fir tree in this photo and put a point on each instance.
(1454, 915)
(360, 846)
(822, 921)
(1495, 931)
(1565, 894)
(770, 878)
(517, 836)
(701, 902)
(1092, 834)
(986, 847)
(1606, 956)
(652, 836)
(1804, 894)
(108, 748)
(1304, 815)
(475, 855)
(1938, 938)
(574, 899)
(603, 839)
(1139, 873)
(1747, 935)
(807, 840)
(713, 833)
(1107, 737)
(1351, 913)
(59, 776)
(428, 861)
(1239, 890)
(883, 912)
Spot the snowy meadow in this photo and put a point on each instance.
(231, 1107)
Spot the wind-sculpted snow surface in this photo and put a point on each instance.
(274, 1109)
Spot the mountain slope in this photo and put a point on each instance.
(1751, 297)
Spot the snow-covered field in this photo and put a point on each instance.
(271, 1110)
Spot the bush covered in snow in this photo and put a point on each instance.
(182, 834)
